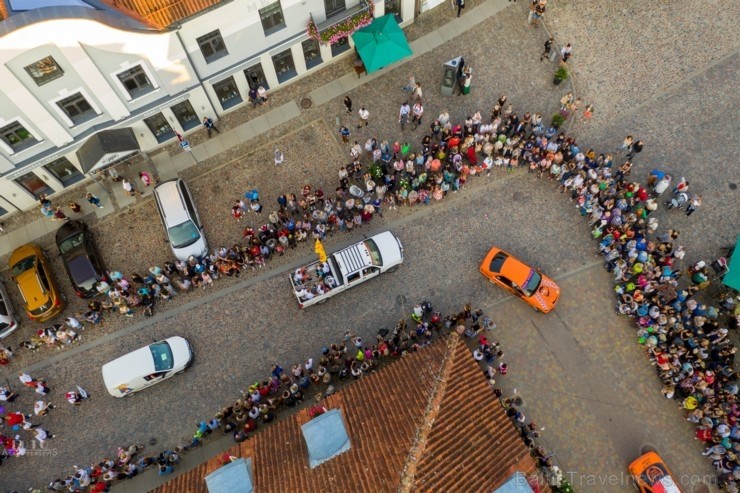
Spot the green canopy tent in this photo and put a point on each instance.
(381, 43)
(732, 278)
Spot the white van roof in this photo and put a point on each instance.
(119, 371)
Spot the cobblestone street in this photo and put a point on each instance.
(580, 369)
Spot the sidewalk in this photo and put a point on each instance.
(170, 166)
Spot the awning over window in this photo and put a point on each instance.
(106, 147)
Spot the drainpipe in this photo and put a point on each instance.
(190, 60)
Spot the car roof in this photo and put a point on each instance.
(515, 270)
(171, 203)
(353, 258)
(650, 460)
(32, 289)
(136, 363)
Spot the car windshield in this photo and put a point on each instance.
(24, 265)
(162, 354)
(71, 243)
(184, 234)
(3, 326)
(532, 283)
(375, 257)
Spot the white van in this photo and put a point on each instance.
(180, 219)
(147, 366)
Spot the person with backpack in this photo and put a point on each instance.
(209, 125)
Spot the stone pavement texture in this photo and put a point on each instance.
(255, 323)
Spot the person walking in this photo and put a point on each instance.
(41, 408)
(626, 144)
(130, 188)
(460, 6)
(59, 214)
(279, 157)
(417, 94)
(418, 111)
(345, 133)
(75, 207)
(694, 204)
(210, 126)
(548, 48)
(347, 104)
(262, 94)
(146, 178)
(364, 117)
(42, 435)
(94, 200)
(409, 87)
(403, 114)
(566, 52)
(254, 98)
(588, 112)
(635, 149)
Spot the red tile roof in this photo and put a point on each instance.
(427, 422)
(161, 13)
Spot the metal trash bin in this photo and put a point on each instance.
(449, 79)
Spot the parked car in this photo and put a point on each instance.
(9, 321)
(651, 475)
(147, 366)
(180, 219)
(80, 258)
(524, 282)
(32, 275)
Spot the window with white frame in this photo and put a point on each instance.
(272, 18)
(136, 81)
(212, 46)
(44, 70)
(17, 137)
(77, 108)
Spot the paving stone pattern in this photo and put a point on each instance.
(258, 323)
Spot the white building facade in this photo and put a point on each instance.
(70, 72)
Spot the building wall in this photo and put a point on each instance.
(183, 87)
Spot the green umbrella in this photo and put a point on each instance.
(732, 278)
(381, 43)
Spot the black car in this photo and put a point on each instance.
(80, 257)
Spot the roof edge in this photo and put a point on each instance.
(430, 415)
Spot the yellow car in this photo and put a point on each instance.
(516, 277)
(651, 475)
(32, 275)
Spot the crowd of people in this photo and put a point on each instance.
(685, 337)
(683, 328)
(341, 362)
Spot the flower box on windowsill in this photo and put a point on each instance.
(343, 24)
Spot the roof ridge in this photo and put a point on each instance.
(433, 405)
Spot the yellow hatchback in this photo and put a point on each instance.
(32, 275)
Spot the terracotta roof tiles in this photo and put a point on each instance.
(426, 422)
(161, 13)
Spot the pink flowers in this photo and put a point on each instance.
(342, 29)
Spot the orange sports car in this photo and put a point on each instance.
(519, 279)
(651, 475)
